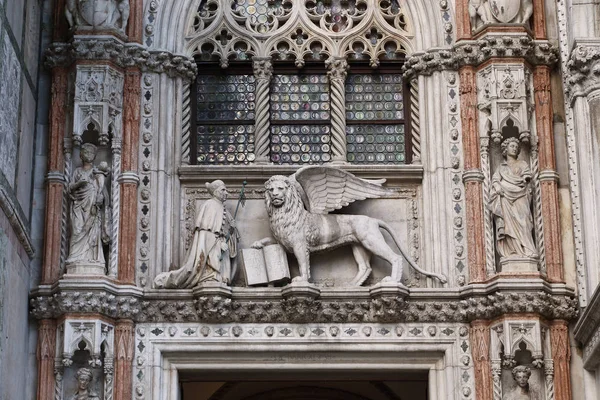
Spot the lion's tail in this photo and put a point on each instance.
(411, 262)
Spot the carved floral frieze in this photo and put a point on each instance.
(223, 308)
(124, 55)
(583, 75)
(476, 52)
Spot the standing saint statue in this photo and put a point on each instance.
(510, 204)
(89, 206)
(84, 379)
(213, 249)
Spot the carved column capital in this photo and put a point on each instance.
(337, 68)
(262, 67)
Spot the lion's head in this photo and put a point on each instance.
(281, 194)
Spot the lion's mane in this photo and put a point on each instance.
(290, 218)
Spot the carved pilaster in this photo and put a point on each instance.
(46, 350)
(124, 347)
(549, 190)
(472, 177)
(539, 20)
(561, 356)
(480, 347)
(129, 160)
(463, 24)
(55, 184)
(136, 18)
(338, 70)
(263, 70)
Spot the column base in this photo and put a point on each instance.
(518, 264)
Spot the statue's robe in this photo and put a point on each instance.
(512, 212)
(209, 256)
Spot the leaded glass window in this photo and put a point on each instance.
(224, 118)
(375, 118)
(300, 119)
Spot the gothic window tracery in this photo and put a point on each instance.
(308, 114)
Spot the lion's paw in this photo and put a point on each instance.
(257, 245)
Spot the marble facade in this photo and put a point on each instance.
(475, 76)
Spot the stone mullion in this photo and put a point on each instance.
(55, 177)
(473, 177)
(123, 367)
(548, 175)
(263, 71)
(480, 350)
(129, 178)
(46, 353)
(561, 356)
(337, 79)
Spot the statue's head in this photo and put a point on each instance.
(521, 374)
(277, 191)
(511, 146)
(217, 189)
(84, 378)
(88, 152)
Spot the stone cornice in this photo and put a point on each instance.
(583, 68)
(482, 301)
(108, 48)
(477, 52)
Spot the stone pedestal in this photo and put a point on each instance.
(86, 268)
(391, 289)
(301, 290)
(519, 264)
(213, 289)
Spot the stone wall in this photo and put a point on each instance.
(20, 26)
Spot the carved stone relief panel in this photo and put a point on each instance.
(493, 12)
(252, 223)
(84, 365)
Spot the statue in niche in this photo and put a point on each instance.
(484, 12)
(84, 379)
(298, 205)
(510, 204)
(90, 210)
(522, 390)
(211, 257)
(98, 14)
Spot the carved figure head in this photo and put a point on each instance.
(84, 378)
(521, 375)
(88, 152)
(217, 189)
(511, 146)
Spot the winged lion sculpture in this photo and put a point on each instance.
(298, 207)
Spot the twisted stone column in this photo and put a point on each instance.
(415, 122)
(337, 73)
(263, 71)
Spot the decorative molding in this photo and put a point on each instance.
(260, 342)
(476, 52)
(583, 69)
(122, 54)
(268, 305)
(575, 191)
(15, 216)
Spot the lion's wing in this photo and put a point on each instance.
(327, 189)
